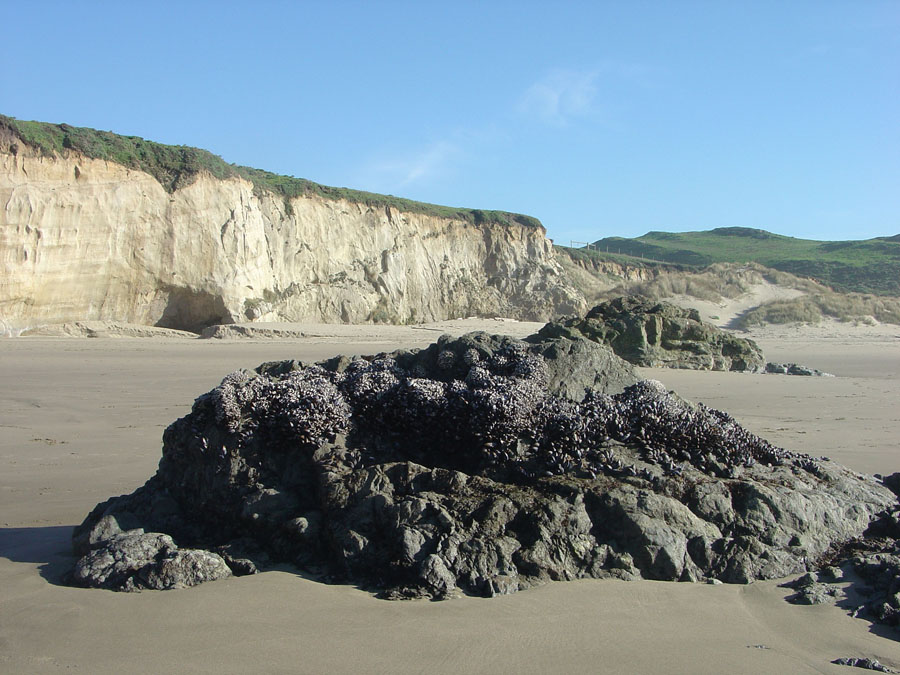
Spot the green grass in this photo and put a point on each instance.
(176, 166)
(868, 266)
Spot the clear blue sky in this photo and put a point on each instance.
(599, 118)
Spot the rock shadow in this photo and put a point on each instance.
(49, 547)
(856, 594)
(847, 590)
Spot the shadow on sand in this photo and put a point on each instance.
(49, 547)
(736, 323)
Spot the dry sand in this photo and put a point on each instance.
(81, 420)
(724, 312)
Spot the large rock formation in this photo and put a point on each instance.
(659, 334)
(86, 239)
(476, 465)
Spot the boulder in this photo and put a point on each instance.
(130, 562)
(660, 335)
(472, 466)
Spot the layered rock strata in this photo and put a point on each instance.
(481, 465)
(660, 334)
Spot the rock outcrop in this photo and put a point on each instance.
(475, 465)
(86, 239)
(660, 334)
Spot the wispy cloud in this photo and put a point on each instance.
(414, 168)
(557, 98)
(560, 95)
(563, 95)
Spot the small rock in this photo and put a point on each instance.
(502, 585)
(133, 562)
(436, 575)
(107, 527)
(184, 568)
(866, 663)
(795, 369)
(810, 591)
(832, 573)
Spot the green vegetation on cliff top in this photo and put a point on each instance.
(176, 166)
(867, 266)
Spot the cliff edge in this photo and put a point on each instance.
(86, 238)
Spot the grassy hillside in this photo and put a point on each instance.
(176, 166)
(869, 266)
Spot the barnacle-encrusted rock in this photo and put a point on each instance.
(659, 334)
(477, 466)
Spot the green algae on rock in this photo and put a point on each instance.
(659, 334)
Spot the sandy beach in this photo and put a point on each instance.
(82, 420)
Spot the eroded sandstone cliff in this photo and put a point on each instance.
(88, 239)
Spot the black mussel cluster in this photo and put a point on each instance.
(670, 431)
(487, 414)
(303, 407)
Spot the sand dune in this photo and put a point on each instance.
(722, 313)
(82, 419)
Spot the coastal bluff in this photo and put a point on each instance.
(86, 239)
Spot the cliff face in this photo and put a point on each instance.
(595, 279)
(86, 239)
(610, 269)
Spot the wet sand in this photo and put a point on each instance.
(81, 420)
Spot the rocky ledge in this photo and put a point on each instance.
(479, 465)
(660, 335)
(870, 566)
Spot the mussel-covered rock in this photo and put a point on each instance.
(480, 465)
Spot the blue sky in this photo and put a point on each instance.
(599, 118)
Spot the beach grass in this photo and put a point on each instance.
(176, 166)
